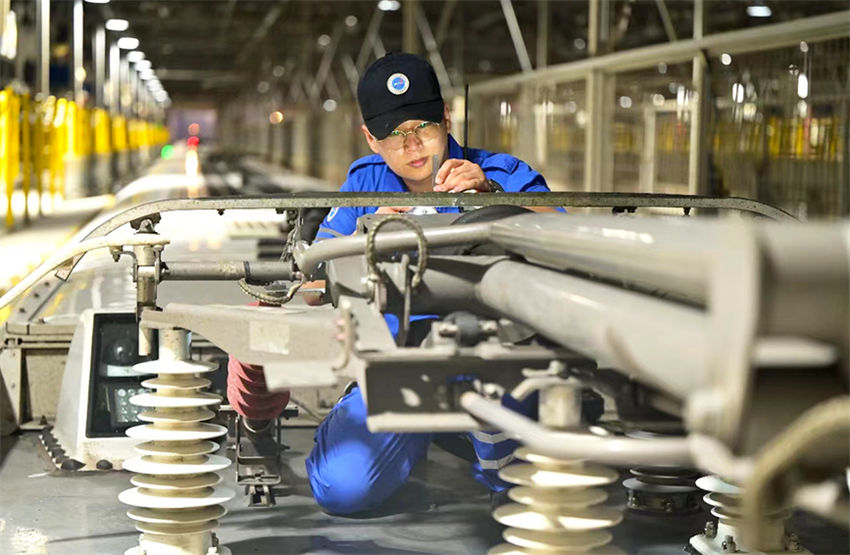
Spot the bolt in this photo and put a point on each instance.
(792, 543)
(710, 529)
(667, 505)
(490, 326)
(447, 329)
(728, 545)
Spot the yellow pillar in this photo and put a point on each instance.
(26, 153)
(4, 153)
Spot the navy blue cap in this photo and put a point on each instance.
(397, 88)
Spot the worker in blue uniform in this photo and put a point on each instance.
(407, 126)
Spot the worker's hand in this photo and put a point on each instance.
(393, 209)
(457, 175)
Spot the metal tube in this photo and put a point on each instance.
(570, 445)
(309, 259)
(227, 271)
(99, 48)
(660, 343)
(42, 29)
(77, 69)
(673, 255)
(114, 78)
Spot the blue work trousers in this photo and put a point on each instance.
(352, 470)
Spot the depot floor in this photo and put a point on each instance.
(440, 510)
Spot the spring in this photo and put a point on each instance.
(724, 536)
(557, 506)
(176, 501)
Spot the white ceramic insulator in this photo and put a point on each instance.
(725, 501)
(176, 499)
(557, 506)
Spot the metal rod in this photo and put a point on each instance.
(571, 445)
(516, 35)
(114, 78)
(42, 29)
(99, 47)
(77, 66)
(309, 259)
(266, 271)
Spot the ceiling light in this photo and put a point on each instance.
(759, 10)
(389, 5)
(146, 74)
(128, 43)
(324, 40)
(117, 24)
(136, 56)
(351, 21)
(143, 65)
(98, 1)
(725, 59)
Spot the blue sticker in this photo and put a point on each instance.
(398, 83)
(332, 213)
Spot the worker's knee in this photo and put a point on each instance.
(344, 493)
(346, 482)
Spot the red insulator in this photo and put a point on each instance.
(247, 391)
(248, 394)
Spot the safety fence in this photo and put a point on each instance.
(46, 143)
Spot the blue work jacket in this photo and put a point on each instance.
(371, 174)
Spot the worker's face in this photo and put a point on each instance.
(411, 158)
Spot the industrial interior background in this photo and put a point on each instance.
(718, 97)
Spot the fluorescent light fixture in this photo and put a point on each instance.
(128, 43)
(759, 10)
(389, 5)
(136, 56)
(146, 74)
(98, 1)
(117, 24)
(143, 65)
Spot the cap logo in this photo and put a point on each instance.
(398, 83)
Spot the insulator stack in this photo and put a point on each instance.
(666, 490)
(557, 503)
(177, 501)
(724, 536)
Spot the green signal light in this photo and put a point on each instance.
(167, 152)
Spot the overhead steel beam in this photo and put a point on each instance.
(409, 40)
(445, 21)
(433, 51)
(516, 35)
(325, 63)
(271, 18)
(351, 73)
(666, 21)
(765, 37)
(543, 27)
(369, 40)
